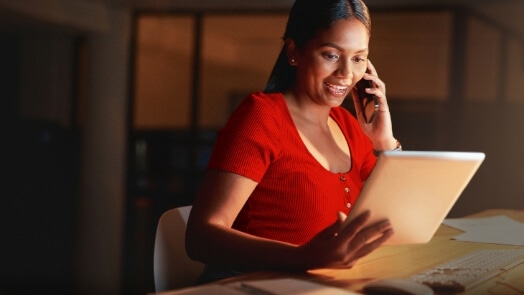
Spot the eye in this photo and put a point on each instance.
(331, 56)
(359, 59)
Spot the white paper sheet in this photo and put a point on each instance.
(211, 289)
(498, 229)
(284, 286)
(291, 286)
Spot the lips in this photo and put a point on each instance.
(336, 89)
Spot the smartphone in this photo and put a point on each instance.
(368, 102)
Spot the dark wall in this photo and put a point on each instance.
(39, 161)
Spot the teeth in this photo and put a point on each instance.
(336, 88)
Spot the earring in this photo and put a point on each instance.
(292, 61)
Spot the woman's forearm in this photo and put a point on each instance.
(222, 246)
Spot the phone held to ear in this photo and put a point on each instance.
(368, 102)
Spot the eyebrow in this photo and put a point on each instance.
(329, 44)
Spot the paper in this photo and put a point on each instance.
(214, 289)
(290, 286)
(498, 229)
(284, 286)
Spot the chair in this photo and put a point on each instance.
(172, 268)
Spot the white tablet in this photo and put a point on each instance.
(415, 190)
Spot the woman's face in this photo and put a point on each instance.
(332, 63)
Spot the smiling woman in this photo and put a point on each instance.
(336, 58)
(290, 162)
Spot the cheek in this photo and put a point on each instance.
(359, 72)
(324, 69)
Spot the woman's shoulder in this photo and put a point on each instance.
(265, 99)
(261, 104)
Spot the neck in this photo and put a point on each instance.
(307, 110)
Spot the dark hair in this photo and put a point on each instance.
(306, 19)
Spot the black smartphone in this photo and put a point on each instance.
(368, 102)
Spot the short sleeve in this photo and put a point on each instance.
(249, 141)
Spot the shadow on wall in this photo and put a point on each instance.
(38, 212)
(495, 129)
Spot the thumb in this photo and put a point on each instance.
(341, 216)
(333, 230)
(341, 220)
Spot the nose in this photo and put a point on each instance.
(344, 68)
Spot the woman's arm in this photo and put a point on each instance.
(380, 130)
(210, 238)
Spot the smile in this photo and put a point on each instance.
(336, 89)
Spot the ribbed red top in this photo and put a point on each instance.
(296, 197)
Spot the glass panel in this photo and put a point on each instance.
(238, 55)
(515, 75)
(482, 62)
(163, 72)
(411, 52)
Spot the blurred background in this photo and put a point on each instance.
(109, 111)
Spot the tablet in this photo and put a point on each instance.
(415, 190)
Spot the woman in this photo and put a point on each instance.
(290, 162)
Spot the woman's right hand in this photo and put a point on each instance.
(341, 246)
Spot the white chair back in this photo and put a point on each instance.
(172, 268)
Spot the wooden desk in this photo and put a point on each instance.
(403, 261)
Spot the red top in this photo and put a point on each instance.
(296, 197)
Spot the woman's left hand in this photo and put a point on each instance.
(379, 130)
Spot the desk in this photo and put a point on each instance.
(402, 261)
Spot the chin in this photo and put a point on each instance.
(336, 100)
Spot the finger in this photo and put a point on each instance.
(334, 229)
(372, 68)
(381, 99)
(342, 216)
(374, 244)
(379, 85)
(356, 225)
(370, 233)
(374, 77)
(341, 219)
(382, 238)
(378, 227)
(360, 240)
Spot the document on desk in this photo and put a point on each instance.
(498, 229)
(284, 286)
(289, 286)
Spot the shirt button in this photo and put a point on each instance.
(348, 205)
(346, 189)
(343, 178)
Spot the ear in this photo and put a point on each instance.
(291, 51)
